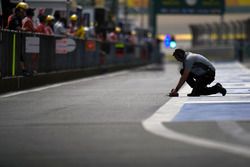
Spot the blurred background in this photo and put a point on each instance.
(136, 12)
(190, 24)
(180, 25)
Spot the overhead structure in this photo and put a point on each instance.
(204, 7)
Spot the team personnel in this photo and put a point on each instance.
(15, 23)
(27, 22)
(29, 26)
(60, 25)
(49, 25)
(41, 28)
(73, 24)
(198, 72)
(15, 20)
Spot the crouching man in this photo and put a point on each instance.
(198, 72)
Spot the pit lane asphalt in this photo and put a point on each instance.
(97, 122)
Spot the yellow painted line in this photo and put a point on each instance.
(14, 56)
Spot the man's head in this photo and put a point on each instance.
(21, 8)
(73, 19)
(179, 54)
(49, 19)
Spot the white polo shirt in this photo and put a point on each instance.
(197, 64)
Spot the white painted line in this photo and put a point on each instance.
(159, 129)
(169, 110)
(217, 102)
(234, 130)
(166, 113)
(30, 91)
(63, 84)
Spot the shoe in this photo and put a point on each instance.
(221, 89)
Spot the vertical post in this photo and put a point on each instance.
(152, 17)
(14, 56)
(222, 21)
(125, 15)
(142, 14)
(67, 10)
(152, 24)
(222, 28)
(113, 5)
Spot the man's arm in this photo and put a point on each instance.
(174, 92)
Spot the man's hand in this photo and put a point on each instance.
(173, 93)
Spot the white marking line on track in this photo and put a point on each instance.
(63, 84)
(159, 129)
(234, 130)
(175, 103)
(31, 90)
(171, 107)
(217, 102)
(168, 111)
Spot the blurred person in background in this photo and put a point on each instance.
(90, 32)
(29, 26)
(41, 11)
(41, 27)
(60, 25)
(49, 25)
(81, 30)
(15, 20)
(112, 35)
(27, 22)
(15, 23)
(73, 24)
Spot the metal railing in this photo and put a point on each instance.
(45, 54)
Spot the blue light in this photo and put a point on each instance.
(172, 44)
(167, 40)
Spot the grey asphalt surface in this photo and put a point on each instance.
(97, 122)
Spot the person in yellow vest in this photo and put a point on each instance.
(81, 30)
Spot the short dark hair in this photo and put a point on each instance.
(179, 52)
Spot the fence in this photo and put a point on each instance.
(235, 34)
(56, 53)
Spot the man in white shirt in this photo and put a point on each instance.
(198, 72)
(60, 25)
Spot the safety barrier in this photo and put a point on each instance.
(45, 54)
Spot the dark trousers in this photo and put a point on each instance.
(200, 83)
